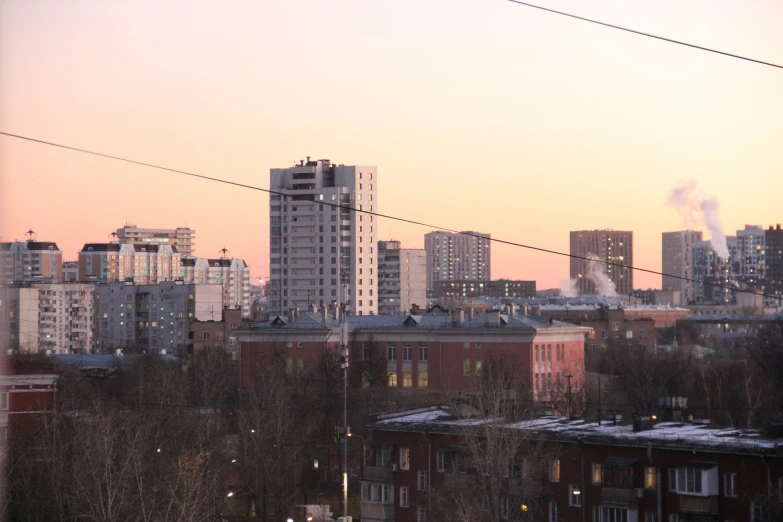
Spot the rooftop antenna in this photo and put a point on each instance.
(32, 235)
(223, 251)
(113, 236)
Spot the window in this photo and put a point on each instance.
(466, 366)
(391, 351)
(289, 364)
(629, 334)
(730, 484)
(687, 480)
(479, 367)
(756, 512)
(392, 380)
(554, 470)
(574, 495)
(407, 379)
(650, 477)
(595, 478)
(386, 494)
(422, 352)
(478, 346)
(422, 484)
(649, 517)
(504, 505)
(466, 346)
(604, 334)
(4, 401)
(615, 327)
(423, 380)
(553, 514)
(421, 515)
(406, 352)
(403, 497)
(610, 514)
(405, 458)
(366, 349)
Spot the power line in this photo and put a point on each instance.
(386, 216)
(648, 34)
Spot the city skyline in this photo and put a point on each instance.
(459, 96)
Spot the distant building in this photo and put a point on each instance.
(70, 271)
(53, 318)
(389, 293)
(233, 275)
(413, 279)
(498, 288)
(613, 328)
(152, 318)
(217, 334)
(773, 283)
(677, 262)
(457, 256)
(144, 263)
(182, 238)
(661, 316)
(31, 260)
(610, 247)
(318, 250)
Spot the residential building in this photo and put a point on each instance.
(457, 256)
(27, 393)
(321, 251)
(502, 288)
(613, 328)
(144, 263)
(413, 279)
(389, 284)
(642, 471)
(70, 271)
(661, 316)
(49, 318)
(183, 239)
(31, 260)
(752, 258)
(773, 282)
(233, 275)
(432, 351)
(610, 248)
(217, 334)
(677, 262)
(152, 318)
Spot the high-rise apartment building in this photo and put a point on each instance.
(152, 318)
(183, 238)
(752, 259)
(773, 284)
(51, 318)
(413, 279)
(317, 250)
(389, 298)
(144, 263)
(233, 276)
(31, 260)
(677, 262)
(608, 246)
(451, 257)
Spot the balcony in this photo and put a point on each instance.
(699, 505)
(378, 473)
(618, 495)
(375, 511)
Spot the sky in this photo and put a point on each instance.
(480, 115)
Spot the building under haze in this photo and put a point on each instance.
(607, 246)
(456, 256)
(773, 284)
(182, 238)
(30, 260)
(413, 279)
(317, 249)
(677, 262)
(143, 263)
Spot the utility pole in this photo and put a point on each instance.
(345, 429)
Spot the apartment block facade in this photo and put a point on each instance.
(233, 275)
(457, 256)
(610, 247)
(322, 252)
(389, 284)
(144, 263)
(413, 279)
(773, 284)
(152, 318)
(183, 239)
(501, 288)
(572, 470)
(677, 262)
(26, 261)
(52, 318)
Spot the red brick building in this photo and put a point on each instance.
(206, 335)
(434, 351)
(26, 391)
(667, 472)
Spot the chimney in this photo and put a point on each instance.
(323, 314)
(535, 310)
(512, 309)
(525, 310)
(334, 312)
(493, 317)
(458, 317)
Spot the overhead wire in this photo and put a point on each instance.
(390, 217)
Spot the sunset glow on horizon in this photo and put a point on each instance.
(479, 115)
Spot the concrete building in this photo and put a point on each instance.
(233, 275)
(503, 288)
(677, 262)
(70, 271)
(182, 238)
(144, 263)
(31, 260)
(413, 279)
(432, 351)
(389, 284)
(51, 318)
(608, 246)
(570, 469)
(773, 283)
(457, 256)
(217, 334)
(152, 318)
(661, 316)
(319, 250)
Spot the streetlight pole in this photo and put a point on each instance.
(346, 429)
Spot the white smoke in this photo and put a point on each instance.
(568, 288)
(697, 209)
(596, 272)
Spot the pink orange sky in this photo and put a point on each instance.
(479, 114)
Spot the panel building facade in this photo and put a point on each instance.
(25, 261)
(677, 261)
(182, 238)
(773, 285)
(457, 256)
(319, 248)
(608, 246)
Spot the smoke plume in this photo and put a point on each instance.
(596, 272)
(696, 209)
(568, 288)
